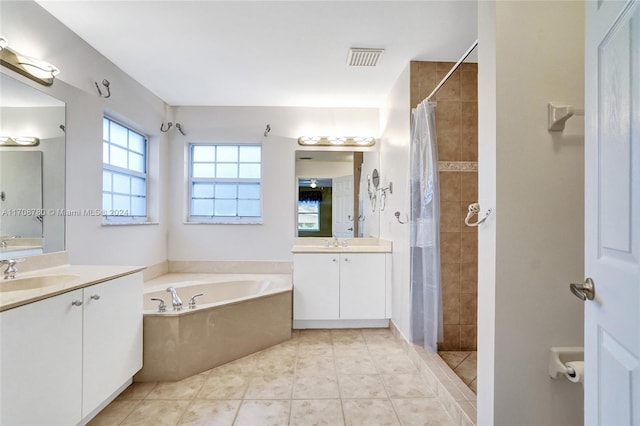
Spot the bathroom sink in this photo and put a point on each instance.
(30, 283)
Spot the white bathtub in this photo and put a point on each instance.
(216, 289)
(237, 315)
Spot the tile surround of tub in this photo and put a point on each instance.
(230, 267)
(156, 270)
(457, 138)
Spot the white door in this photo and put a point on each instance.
(316, 287)
(342, 206)
(362, 286)
(612, 216)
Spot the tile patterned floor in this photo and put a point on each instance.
(319, 377)
(464, 364)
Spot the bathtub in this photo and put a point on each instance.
(237, 315)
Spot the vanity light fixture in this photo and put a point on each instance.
(35, 69)
(337, 140)
(19, 141)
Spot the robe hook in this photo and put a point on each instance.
(267, 130)
(169, 124)
(179, 127)
(397, 215)
(106, 85)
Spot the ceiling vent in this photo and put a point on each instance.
(364, 57)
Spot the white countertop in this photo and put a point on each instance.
(86, 275)
(353, 245)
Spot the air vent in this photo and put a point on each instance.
(364, 57)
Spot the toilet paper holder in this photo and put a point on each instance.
(559, 356)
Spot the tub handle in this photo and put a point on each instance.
(162, 307)
(192, 301)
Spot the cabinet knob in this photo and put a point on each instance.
(346, 259)
(77, 303)
(95, 297)
(334, 259)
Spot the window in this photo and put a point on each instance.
(309, 216)
(124, 173)
(225, 183)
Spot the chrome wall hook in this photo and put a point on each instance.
(106, 85)
(267, 130)
(179, 127)
(474, 209)
(169, 124)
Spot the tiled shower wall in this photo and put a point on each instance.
(457, 136)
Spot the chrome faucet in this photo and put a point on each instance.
(3, 243)
(12, 270)
(175, 299)
(335, 241)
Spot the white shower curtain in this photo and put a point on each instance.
(426, 288)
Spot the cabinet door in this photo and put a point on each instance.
(112, 351)
(316, 286)
(40, 362)
(362, 286)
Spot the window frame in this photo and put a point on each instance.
(223, 220)
(317, 213)
(107, 214)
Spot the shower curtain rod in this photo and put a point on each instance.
(452, 70)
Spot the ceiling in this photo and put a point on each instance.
(269, 53)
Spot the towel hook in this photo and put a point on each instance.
(179, 127)
(106, 84)
(267, 130)
(169, 124)
(474, 209)
(397, 215)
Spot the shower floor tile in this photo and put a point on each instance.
(356, 377)
(464, 364)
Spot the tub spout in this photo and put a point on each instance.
(177, 302)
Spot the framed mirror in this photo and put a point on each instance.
(332, 194)
(32, 178)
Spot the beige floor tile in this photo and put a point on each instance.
(350, 350)
(263, 413)
(370, 412)
(406, 386)
(361, 386)
(355, 365)
(315, 336)
(422, 411)
(394, 364)
(316, 412)
(270, 387)
(454, 358)
(315, 387)
(244, 366)
(182, 389)
(346, 335)
(137, 390)
(315, 366)
(467, 370)
(272, 364)
(384, 349)
(156, 412)
(224, 387)
(210, 413)
(114, 413)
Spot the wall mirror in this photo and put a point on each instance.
(32, 178)
(332, 195)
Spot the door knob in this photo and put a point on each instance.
(586, 291)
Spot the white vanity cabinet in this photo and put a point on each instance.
(63, 357)
(340, 289)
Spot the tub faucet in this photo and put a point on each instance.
(4, 243)
(175, 299)
(12, 270)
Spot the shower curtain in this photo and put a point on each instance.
(426, 288)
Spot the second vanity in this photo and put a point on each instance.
(71, 342)
(341, 283)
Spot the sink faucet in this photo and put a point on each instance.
(335, 241)
(3, 243)
(175, 299)
(11, 271)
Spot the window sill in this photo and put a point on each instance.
(253, 222)
(128, 223)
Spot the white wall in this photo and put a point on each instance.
(273, 239)
(536, 188)
(34, 32)
(394, 167)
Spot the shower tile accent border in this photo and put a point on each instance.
(457, 166)
(230, 267)
(455, 395)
